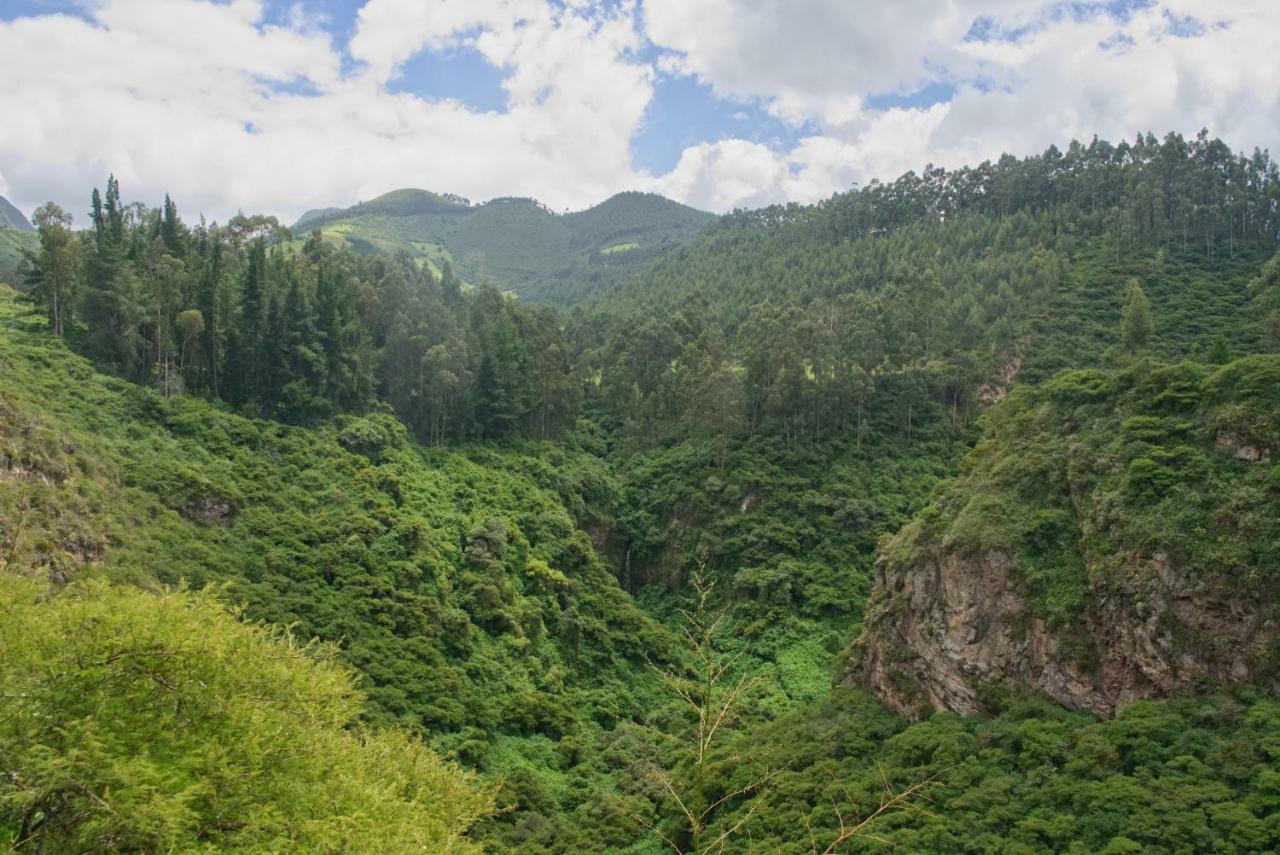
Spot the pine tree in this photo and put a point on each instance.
(208, 300)
(172, 231)
(1136, 325)
(248, 377)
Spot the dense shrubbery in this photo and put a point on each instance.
(766, 404)
(132, 722)
(1155, 458)
(453, 579)
(1188, 775)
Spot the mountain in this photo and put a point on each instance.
(16, 234)
(1114, 536)
(997, 441)
(514, 243)
(314, 215)
(12, 218)
(12, 244)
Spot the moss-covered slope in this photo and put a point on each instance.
(1113, 536)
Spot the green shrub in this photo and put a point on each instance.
(157, 722)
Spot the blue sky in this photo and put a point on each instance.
(286, 104)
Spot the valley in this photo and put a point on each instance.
(970, 478)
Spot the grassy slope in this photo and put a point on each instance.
(457, 581)
(516, 243)
(11, 245)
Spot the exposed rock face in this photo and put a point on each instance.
(993, 391)
(1239, 448)
(944, 625)
(208, 509)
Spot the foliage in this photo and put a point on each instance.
(13, 247)
(1094, 468)
(1135, 320)
(514, 244)
(493, 511)
(156, 722)
(298, 336)
(1193, 774)
(454, 580)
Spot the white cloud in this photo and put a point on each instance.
(204, 100)
(818, 59)
(1049, 79)
(391, 31)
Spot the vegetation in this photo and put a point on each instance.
(1073, 477)
(514, 244)
(297, 337)
(141, 722)
(13, 248)
(1187, 775)
(12, 219)
(494, 514)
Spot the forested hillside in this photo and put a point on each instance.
(552, 544)
(12, 218)
(12, 247)
(513, 243)
(1113, 536)
(16, 234)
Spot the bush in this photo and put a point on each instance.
(157, 722)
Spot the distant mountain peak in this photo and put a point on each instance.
(514, 242)
(12, 218)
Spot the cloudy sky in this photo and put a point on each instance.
(283, 105)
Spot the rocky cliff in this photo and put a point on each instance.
(1112, 538)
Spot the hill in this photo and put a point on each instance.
(1114, 536)
(12, 218)
(12, 244)
(516, 244)
(510, 520)
(16, 234)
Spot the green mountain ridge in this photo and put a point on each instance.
(506, 519)
(12, 246)
(515, 243)
(16, 235)
(12, 218)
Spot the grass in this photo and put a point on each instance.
(619, 247)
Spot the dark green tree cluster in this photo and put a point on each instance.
(881, 301)
(230, 312)
(824, 336)
(1193, 774)
(1173, 192)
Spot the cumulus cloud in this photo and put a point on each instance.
(1025, 75)
(209, 101)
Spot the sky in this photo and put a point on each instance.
(279, 106)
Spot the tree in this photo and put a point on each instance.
(172, 231)
(712, 689)
(208, 300)
(139, 722)
(188, 325)
(111, 307)
(164, 277)
(1265, 291)
(56, 268)
(1136, 325)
